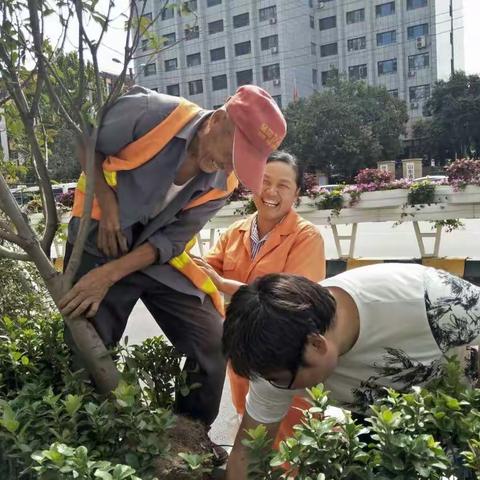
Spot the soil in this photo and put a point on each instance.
(187, 436)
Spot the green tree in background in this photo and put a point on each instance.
(348, 127)
(56, 139)
(454, 127)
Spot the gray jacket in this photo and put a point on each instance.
(140, 190)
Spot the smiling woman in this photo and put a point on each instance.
(273, 240)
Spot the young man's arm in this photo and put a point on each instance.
(237, 466)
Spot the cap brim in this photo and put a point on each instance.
(248, 163)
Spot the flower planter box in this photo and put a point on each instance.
(380, 199)
(446, 194)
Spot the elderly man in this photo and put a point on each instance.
(164, 169)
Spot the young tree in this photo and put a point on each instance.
(32, 66)
(345, 128)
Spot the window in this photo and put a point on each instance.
(359, 43)
(327, 23)
(314, 76)
(413, 4)
(195, 87)
(241, 20)
(171, 64)
(356, 16)
(394, 92)
(243, 48)
(219, 82)
(328, 49)
(271, 72)
(212, 3)
(267, 13)
(313, 48)
(385, 9)
(192, 33)
(329, 76)
(150, 69)
(191, 5)
(278, 100)
(386, 67)
(145, 44)
(244, 77)
(215, 27)
(194, 59)
(420, 92)
(357, 72)
(417, 31)
(167, 12)
(217, 54)
(266, 43)
(310, 3)
(312, 21)
(174, 89)
(386, 38)
(418, 62)
(169, 39)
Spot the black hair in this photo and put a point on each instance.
(268, 321)
(289, 159)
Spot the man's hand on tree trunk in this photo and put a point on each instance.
(110, 239)
(87, 294)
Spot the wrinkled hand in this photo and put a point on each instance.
(110, 240)
(210, 271)
(87, 293)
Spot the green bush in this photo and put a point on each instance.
(43, 404)
(429, 433)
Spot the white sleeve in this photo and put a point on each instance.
(267, 404)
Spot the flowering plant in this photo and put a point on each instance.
(373, 176)
(462, 172)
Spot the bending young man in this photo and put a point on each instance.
(385, 325)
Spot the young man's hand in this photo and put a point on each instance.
(110, 239)
(87, 293)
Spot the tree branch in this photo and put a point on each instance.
(10, 254)
(75, 258)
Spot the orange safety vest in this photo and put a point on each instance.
(141, 151)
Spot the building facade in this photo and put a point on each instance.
(293, 47)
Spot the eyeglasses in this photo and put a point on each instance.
(285, 386)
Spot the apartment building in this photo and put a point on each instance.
(292, 47)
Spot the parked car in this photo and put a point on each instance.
(24, 194)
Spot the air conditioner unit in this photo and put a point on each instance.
(273, 20)
(276, 82)
(413, 105)
(274, 50)
(421, 42)
(412, 73)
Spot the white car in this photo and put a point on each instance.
(432, 178)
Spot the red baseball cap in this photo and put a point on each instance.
(259, 130)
